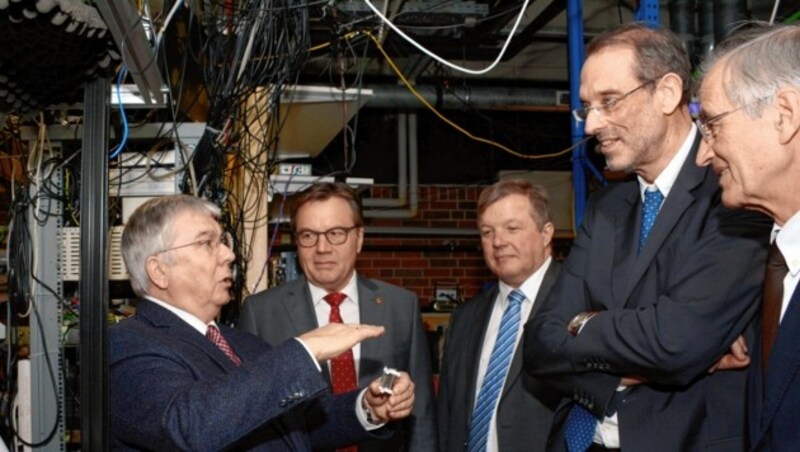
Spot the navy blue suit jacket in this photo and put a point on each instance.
(774, 409)
(173, 389)
(666, 313)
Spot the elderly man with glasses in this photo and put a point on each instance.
(661, 279)
(329, 232)
(179, 381)
(751, 97)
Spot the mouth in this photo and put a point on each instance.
(605, 143)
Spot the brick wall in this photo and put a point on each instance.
(428, 257)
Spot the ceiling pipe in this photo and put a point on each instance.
(480, 97)
(402, 169)
(413, 189)
(728, 14)
(682, 22)
(705, 22)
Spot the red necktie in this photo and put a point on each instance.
(343, 367)
(213, 334)
(772, 301)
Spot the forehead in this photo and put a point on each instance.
(510, 207)
(711, 94)
(331, 212)
(608, 70)
(192, 224)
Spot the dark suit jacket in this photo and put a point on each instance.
(524, 414)
(172, 389)
(287, 311)
(665, 314)
(774, 411)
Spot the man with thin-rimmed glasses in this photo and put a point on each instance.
(329, 232)
(655, 289)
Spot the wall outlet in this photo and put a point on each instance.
(446, 294)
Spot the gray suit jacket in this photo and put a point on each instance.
(666, 314)
(173, 389)
(525, 410)
(287, 311)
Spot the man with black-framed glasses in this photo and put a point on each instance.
(329, 233)
(655, 288)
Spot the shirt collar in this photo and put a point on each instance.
(193, 321)
(788, 241)
(669, 175)
(350, 290)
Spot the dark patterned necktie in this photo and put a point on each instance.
(213, 334)
(772, 301)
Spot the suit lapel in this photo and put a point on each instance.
(784, 361)
(300, 307)
(162, 318)
(515, 369)
(372, 312)
(474, 344)
(680, 197)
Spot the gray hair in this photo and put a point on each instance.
(149, 231)
(536, 194)
(758, 61)
(658, 52)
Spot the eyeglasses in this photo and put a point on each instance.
(211, 245)
(335, 236)
(706, 126)
(580, 114)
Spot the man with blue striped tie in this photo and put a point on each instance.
(485, 402)
(654, 290)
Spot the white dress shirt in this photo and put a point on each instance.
(789, 243)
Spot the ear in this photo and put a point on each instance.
(669, 90)
(787, 104)
(156, 272)
(547, 233)
(360, 238)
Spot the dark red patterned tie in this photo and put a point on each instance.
(213, 334)
(343, 367)
(772, 301)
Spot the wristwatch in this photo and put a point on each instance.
(577, 322)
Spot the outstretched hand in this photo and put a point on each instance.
(334, 339)
(386, 407)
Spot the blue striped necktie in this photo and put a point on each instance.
(496, 371)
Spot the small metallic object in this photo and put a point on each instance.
(387, 380)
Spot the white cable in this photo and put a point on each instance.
(167, 21)
(774, 12)
(442, 60)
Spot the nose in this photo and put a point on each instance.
(594, 122)
(498, 239)
(228, 256)
(323, 245)
(705, 154)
